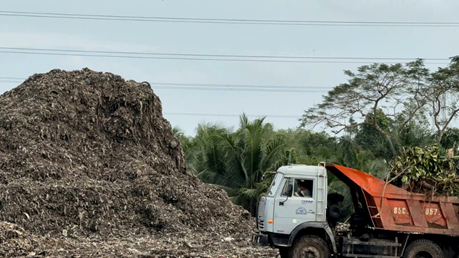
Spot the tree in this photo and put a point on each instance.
(391, 89)
(251, 151)
(310, 147)
(369, 139)
(186, 142)
(450, 139)
(236, 161)
(443, 96)
(207, 157)
(415, 133)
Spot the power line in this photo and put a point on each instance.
(221, 55)
(200, 114)
(11, 78)
(229, 115)
(20, 79)
(238, 85)
(215, 87)
(188, 59)
(221, 115)
(223, 21)
(229, 89)
(202, 57)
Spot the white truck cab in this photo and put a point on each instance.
(285, 210)
(290, 209)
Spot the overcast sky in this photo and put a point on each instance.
(186, 108)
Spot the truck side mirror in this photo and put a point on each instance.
(288, 193)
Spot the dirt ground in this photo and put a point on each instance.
(90, 168)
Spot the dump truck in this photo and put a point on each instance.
(387, 221)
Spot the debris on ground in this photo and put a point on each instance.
(90, 168)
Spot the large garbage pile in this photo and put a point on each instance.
(90, 168)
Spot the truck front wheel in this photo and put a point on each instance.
(309, 246)
(423, 248)
(283, 252)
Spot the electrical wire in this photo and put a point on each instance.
(55, 15)
(213, 87)
(228, 115)
(204, 57)
(219, 55)
(188, 114)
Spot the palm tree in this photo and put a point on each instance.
(187, 142)
(253, 150)
(207, 157)
(237, 161)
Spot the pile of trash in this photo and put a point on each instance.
(89, 167)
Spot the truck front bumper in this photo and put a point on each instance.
(259, 239)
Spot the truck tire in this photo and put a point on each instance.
(309, 246)
(423, 248)
(283, 252)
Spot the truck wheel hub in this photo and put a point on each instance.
(310, 252)
(424, 255)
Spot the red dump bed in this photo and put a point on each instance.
(401, 210)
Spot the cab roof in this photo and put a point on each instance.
(303, 170)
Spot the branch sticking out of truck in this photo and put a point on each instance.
(388, 221)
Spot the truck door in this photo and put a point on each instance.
(291, 207)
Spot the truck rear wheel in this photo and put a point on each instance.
(423, 248)
(309, 246)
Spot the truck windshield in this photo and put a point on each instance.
(272, 190)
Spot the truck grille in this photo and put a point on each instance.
(261, 213)
(261, 223)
